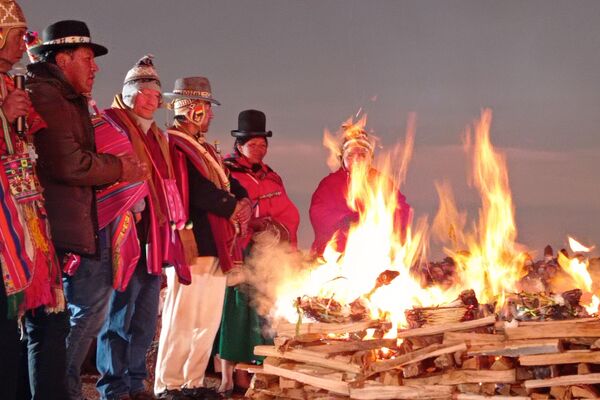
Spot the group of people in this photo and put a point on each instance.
(96, 207)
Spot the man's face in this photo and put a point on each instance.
(201, 114)
(356, 155)
(14, 47)
(79, 68)
(146, 103)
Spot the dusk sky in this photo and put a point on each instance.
(309, 65)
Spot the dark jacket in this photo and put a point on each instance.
(68, 165)
(206, 198)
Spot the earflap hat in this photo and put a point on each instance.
(11, 16)
(143, 75)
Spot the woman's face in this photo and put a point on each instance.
(254, 149)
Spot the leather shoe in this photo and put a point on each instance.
(142, 395)
(202, 393)
(174, 395)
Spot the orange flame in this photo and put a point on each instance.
(492, 264)
(488, 258)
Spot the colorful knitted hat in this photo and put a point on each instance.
(32, 39)
(11, 16)
(143, 75)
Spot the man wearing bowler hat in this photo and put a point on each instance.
(218, 211)
(70, 170)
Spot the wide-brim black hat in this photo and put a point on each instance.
(191, 88)
(251, 123)
(67, 34)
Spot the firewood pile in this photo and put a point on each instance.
(464, 351)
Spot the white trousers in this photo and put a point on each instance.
(190, 320)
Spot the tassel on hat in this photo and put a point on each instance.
(11, 16)
(143, 75)
(32, 39)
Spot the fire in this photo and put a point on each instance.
(577, 268)
(492, 264)
(488, 258)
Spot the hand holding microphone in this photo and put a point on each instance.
(17, 104)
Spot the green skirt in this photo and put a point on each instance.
(241, 328)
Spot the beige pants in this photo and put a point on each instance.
(190, 320)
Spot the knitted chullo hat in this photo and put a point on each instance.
(143, 75)
(11, 16)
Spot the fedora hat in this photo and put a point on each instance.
(191, 88)
(67, 34)
(251, 123)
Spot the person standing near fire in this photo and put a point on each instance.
(31, 288)
(330, 214)
(218, 212)
(70, 170)
(274, 212)
(157, 214)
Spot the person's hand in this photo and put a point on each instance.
(241, 215)
(133, 170)
(16, 104)
(243, 211)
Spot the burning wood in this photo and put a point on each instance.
(397, 334)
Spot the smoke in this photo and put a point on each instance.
(275, 273)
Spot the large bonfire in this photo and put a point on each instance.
(383, 270)
(378, 321)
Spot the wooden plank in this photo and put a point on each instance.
(311, 357)
(455, 326)
(458, 376)
(546, 324)
(515, 348)
(473, 338)
(566, 380)
(502, 325)
(467, 396)
(569, 357)
(354, 345)
(375, 391)
(585, 391)
(288, 329)
(430, 351)
(590, 329)
(251, 368)
(321, 382)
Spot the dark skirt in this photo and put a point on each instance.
(241, 328)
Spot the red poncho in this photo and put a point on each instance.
(329, 211)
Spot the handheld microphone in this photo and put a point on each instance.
(18, 73)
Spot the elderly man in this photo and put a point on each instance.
(70, 170)
(31, 278)
(216, 205)
(131, 324)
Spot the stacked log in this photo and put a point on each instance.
(468, 360)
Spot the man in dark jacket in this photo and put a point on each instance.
(70, 169)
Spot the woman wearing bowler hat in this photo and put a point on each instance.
(274, 213)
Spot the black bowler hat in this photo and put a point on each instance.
(67, 34)
(251, 123)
